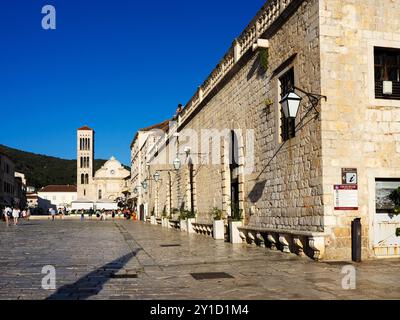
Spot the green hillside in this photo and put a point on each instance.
(41, 170)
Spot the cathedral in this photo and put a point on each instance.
(100, 189)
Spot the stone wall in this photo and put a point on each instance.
(358, 131)
(287, 193)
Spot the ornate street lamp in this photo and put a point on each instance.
(156, 176)
(144, 185)
(177, 164)
(290, 104)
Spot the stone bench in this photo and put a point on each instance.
(299, 242)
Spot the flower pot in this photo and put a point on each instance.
(219, 230)
(190, 225)
(234, 235)
(183, 224)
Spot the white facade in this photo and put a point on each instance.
(55, 199)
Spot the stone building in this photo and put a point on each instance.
(7, 181)
(141, 185)
(12, 184)
(300, 182)
(102, 188)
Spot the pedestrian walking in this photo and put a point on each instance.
(8, 212)
(15, 215)
(53, 213)
(5, 215)
(23, 214)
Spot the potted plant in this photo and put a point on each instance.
(153, 217)
(235, 222)
(182, 220)
(218, 224)
(164, 218)
(187, 218)
(190, 219)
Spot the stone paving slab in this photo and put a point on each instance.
(86, 255)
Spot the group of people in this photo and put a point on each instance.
(11, 215)
(103, 215)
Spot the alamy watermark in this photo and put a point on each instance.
(49, 280)
(204, 147)
(350, 278)
(49, 20)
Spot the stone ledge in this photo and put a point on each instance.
(302, 243)
(203, 228)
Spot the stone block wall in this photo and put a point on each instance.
(358, 131)
(288, 192)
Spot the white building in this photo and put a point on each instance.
(144, 141)
(56, 196)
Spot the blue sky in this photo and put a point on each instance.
(116, 66)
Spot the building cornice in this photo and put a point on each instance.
(266, 22)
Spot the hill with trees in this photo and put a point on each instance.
(42, 170)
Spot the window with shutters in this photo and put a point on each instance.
(387, 68)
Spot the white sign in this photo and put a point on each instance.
(346, 197)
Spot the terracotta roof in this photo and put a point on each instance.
(164, 126)
(58, 188)
(85, 128)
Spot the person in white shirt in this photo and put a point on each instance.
(15, 215)
(5, 213)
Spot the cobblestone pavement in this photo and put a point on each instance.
(132, 260)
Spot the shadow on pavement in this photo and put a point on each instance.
(92, 283)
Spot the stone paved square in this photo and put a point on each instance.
(126, 260)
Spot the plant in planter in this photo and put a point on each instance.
(398, 232)
(235, 223)
(218, 214)
(218, 224)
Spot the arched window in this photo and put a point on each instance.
(82, 178)
(80, 144)
(88, 144)
(86, 179)
(81, 162)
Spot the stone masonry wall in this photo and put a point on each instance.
(288, 192)
(358, 131)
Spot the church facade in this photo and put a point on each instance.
(100, 189)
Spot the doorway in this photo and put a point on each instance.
(386, 222)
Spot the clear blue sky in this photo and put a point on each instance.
(116, 66)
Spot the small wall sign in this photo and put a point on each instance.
(346, 197)
(349, 176)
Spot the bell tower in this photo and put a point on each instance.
(85, 156)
